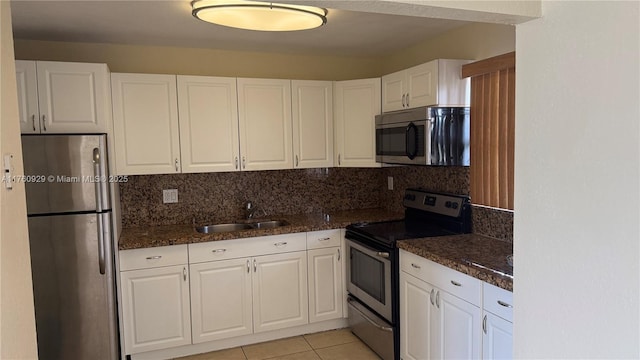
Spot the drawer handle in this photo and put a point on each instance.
(154, 257)
(505, 304)
(415, 266)
(455, 283)
(324, 239)
(280, 244)
(219, 251)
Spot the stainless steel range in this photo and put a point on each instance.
(372, 264)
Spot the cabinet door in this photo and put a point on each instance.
(73, 97)
(312, 123)
(422, 82)
(416, 314)
(497, 337)
(27, 82)
(357, 102)
(145, 119)
(325, 284)
(155, 308)
(208, 112)
(280, 291)
(264, 112)
(221, 299)
(456, 328)
(394, 90)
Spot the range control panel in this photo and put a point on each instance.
(449, 205)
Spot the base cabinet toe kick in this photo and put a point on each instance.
(445, 314)
(187, 299)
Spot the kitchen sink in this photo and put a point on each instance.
(208, 229)
(217, 228)
(270, 224)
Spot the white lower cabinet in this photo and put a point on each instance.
(219, 290)
(458, 323)
(497, 338)
(155, 306)
(457, 318)
(416, 316)
(221, 302)
(280, 291)
(325, 284)
(497, 323)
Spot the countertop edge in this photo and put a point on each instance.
(488, 276)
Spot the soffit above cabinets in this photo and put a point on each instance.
(169, 23)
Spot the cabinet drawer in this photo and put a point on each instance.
(447, 279)
(498, 301)
(237, 248)
(153, 257)
(323, 239)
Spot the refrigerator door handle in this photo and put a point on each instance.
(101, 245)
(97, 179)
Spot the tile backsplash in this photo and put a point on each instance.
(215, 197)
(219, 197)
(492, 222)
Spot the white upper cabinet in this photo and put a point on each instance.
(208, 112)
(27, 82)
(264, 112)
(62, 97)
(436, 82)
(145, 119)
(356, 103)
(312, 123)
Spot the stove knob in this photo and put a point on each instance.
(454, 205)
(447, 204)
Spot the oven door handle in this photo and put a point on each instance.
(354, 307)
(383, 254)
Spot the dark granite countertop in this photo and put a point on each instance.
(152, 236)
(478, 256)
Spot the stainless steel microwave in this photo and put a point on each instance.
(424, 136)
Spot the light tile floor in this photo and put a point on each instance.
(329, 345)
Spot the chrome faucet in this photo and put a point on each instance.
(249, 210)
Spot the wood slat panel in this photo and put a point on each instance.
(492, 134)
(489, 65)
(511, 135)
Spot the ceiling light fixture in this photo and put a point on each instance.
(257, 15)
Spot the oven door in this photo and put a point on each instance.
(369, 277)
(404, 142)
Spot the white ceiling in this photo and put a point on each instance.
(169, 23)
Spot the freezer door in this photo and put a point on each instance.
(61, 173)
(74, 302)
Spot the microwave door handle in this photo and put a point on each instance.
(411, 153)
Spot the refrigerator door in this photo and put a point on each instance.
(65, 173)
(74, 302)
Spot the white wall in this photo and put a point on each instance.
(17, 323)
(576, 230)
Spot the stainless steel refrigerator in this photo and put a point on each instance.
(69, 214)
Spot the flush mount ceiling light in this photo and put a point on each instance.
(258, 15)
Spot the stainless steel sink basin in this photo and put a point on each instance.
(217, 228)
(269, 224)
(208, 229)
